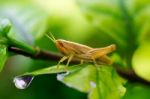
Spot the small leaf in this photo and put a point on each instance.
(136, 91)
(3, 56)
(53, 69)
(23, 81)
(100, 83)
(5, 26)
(80, 79)
(141, 61)
(26, 21)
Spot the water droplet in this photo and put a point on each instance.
(22, 82)
(60, 77)
(93, 84)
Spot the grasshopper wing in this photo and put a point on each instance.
(98, 52)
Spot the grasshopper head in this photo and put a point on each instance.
(113, 47)
(62, 45)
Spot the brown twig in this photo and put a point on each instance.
(130, 75)
(41, 54)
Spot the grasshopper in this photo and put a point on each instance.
(72, 50)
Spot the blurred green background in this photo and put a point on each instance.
(95, 23)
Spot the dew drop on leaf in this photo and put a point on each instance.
(93, 84)
(60, 77)
(22, 82)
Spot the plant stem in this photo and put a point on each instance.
(41, 54)
(27, 48)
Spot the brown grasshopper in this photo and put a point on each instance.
(72, 50)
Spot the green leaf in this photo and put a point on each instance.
(53, 69)
(99, 83)
(136, 91)
(5, 26)
(28, 24)
(141, 61)
(3, 56)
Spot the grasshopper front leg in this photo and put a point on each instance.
(65, 58)
(62, 60)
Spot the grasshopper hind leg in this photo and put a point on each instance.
(81, 61)
(95, 62)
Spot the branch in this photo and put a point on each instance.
(41, 54)
(45, 55)
(131, 76)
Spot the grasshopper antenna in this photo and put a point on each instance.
(51, 37)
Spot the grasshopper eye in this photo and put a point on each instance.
(113, 46)
(60, 43)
